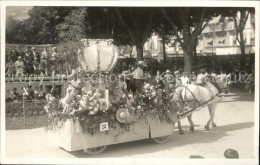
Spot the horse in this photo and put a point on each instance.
(194, 95)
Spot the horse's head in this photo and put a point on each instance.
(222, 80)
(176, 95)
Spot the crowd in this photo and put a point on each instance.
(29, 93)
(137, 75)
(30, 62)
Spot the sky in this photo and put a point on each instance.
(18, 13)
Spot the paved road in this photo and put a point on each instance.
(234, 117)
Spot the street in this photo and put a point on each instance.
(234, 118)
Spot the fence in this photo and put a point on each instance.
(25, 108)
(38, 48)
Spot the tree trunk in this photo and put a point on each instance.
(139, 49)
(164, 52)
(195, 53)
(187, 59)
(242, 47)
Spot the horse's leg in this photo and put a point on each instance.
(191, 123)
(212, 108)
(210, 117)
(181, 132)
(214, 105)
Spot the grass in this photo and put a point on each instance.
(14, 123)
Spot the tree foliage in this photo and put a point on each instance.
(74, 26)
(187, 24)
(240, 18)
(40, 27)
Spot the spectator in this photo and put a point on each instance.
(28, 60)
(10, 68)
(201, 78)
(193, 78)
(185, 79)
(28, 92)
(12, 96)
(20, 52)
(36, 68)
(41, 93)
(19, 65)
(45, 62)
(177, 78)
(36, 56)
(13, 55)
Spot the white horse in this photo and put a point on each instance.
(195, 95)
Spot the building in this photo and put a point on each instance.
(218, 38)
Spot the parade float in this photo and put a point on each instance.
(97, 110)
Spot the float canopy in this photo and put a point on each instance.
(98, 55)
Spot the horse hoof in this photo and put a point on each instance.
(181, 132)
(192, 129)
(206, 127)
(213, 125)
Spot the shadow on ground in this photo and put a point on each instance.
(175, 141)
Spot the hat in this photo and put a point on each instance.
(122, 115)
(19, 57)
(231, 154)
(142, 63)
(176, 72)
(168, 71)
(33, 48)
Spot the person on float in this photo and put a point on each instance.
(185, 79)
(129, 79)
(168, 79)
(201, 78)
(19, 65)
(138, 76)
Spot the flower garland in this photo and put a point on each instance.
(91, 109)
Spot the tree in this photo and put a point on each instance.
(187, 24)
(164, 31)
(137, 22)
(10, 26)
(74, 26)
(240, 17)
(126, 25)
(40, 27)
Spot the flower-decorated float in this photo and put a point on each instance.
(97, 110)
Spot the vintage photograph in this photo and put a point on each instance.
(81, 81)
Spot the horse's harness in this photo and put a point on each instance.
(186, 88)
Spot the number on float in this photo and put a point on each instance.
(103, 126)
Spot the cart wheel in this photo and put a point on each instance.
(95, 150)
(161, 139)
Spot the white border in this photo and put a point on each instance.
(116, 161)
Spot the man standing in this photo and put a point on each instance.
(19, 65)
(185, 79)
(28, 60)
(36, 56)
(45, 62)
(139, 76)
